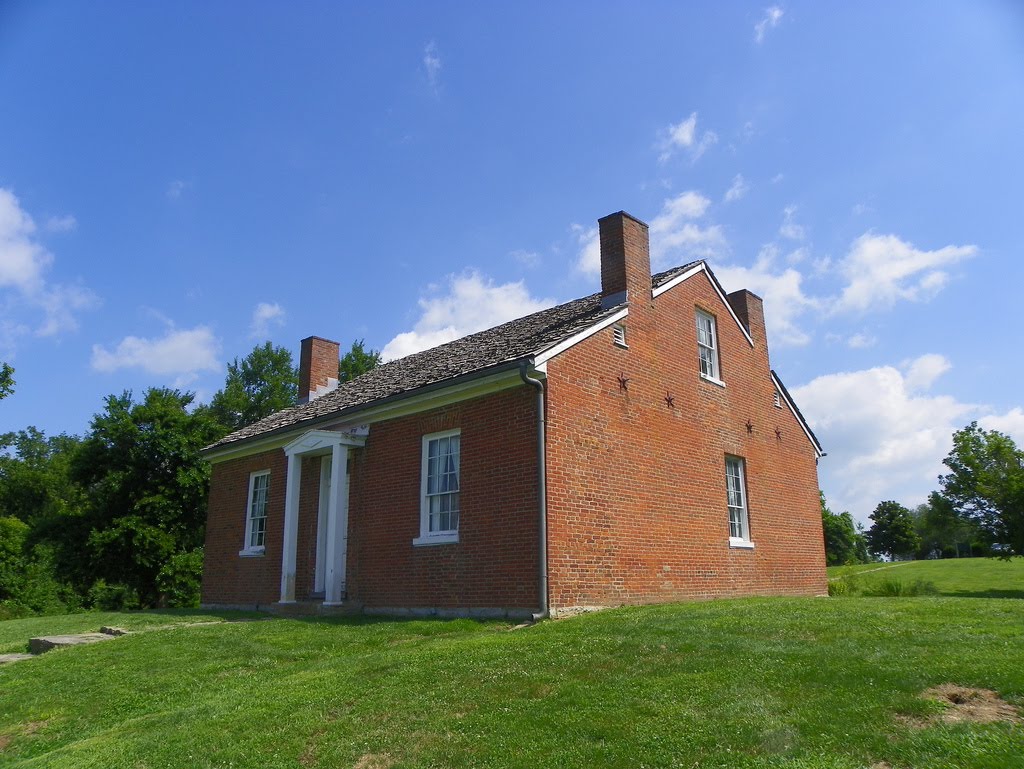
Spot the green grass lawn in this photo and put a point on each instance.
(954, 577)
(742, 683)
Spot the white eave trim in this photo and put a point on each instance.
(796, 415)
(543, 357)
(702, 267)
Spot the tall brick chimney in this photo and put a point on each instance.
(318, 367)
(625, 259)
(749, 308)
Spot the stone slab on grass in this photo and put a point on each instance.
(46, 643)
(17, 657)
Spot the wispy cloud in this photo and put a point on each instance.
(469, 303)
(180, 353)
(677, 236)
(265, 315)
(432, 65)
(61, 223)
(24, 285)
(882, 269)
(684, 135)
(176, 188)
(770, 20)
(737, 189)
(789, 228)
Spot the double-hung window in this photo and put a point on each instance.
(439, 485)
(736, 493)
(256, 513)
(707, 346)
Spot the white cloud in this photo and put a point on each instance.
(684, 135)
(472, 303)
(789, 228)
(1011, 423)
(885, 439)
(881, 269)
(24, 264)
(770, 20)
(676, 237)
(784, 299)
(738, 189)
(528, 259)
(61, 223)
(175, 188)
(263, 316)
(432, 65)
(920, 373)
(588, 260)
(861, 341)
(181, 353)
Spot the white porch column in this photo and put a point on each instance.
(337, 527)
(291, 528)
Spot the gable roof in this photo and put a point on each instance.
(495, 349)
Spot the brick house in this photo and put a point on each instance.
(633, 446)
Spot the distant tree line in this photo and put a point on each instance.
(115, 518)
(978, 510)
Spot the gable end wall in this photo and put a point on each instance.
(636, 488)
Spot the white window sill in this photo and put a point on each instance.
(711, 379)
(437, 539)
(252, 552)
(744, 544)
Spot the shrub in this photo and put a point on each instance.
(180, 579)
(112, 597)
(895, 588)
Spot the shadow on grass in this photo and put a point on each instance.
(984, 593)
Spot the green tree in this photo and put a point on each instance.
(843, 543)
(986, 484)
(357, 361)
(35, 485)
(6, 380)
(941, 528)
(263, 382)
(892, 532)
(146, 486)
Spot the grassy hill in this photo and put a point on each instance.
(795, 683)
(954, 577)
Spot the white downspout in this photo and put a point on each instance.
(542, 491)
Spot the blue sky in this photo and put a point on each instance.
(179, 182)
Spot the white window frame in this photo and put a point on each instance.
(707, 340)
(619, 335)
(736, 501)
(248, 548)
(445, 536)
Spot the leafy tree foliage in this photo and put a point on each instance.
(263, 382)
(146, 487)
(34, 482)
(6, 380)
(892, 532)
(943, 532)
(986, 484)
(843, 542)
(357, 361)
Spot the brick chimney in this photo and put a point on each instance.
(750, 309)
(318, 367)
(625, 259)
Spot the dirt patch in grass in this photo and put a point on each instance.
(30, 728)
(968, 705)
(375, 761)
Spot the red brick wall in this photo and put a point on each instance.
(494, 564)
(227, 577)
(636, 494)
